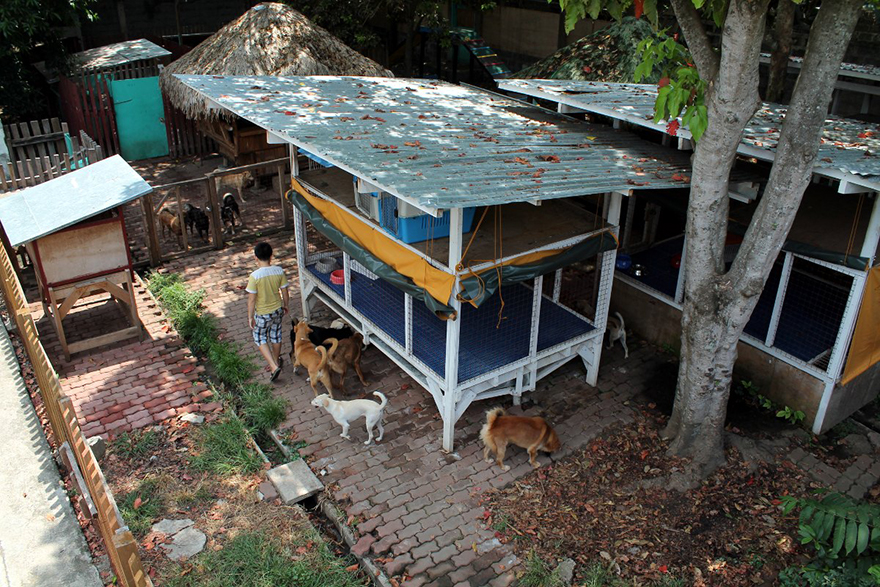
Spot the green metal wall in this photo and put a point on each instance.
(139, 118)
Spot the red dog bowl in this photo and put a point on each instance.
(337, 277)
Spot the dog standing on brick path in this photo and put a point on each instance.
(344, 412)
(616, 330)
(532, 434)
(313, 358)
(348, 354)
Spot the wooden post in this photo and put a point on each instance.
(285, 211)
(150, 225)
(180, 219)
(216, 220)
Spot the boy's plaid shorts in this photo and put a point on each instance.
(267, 327)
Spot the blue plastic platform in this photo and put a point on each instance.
(483, 347)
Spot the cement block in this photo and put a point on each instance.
(294, 481)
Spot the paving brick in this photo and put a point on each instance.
(384, 545)
(444, 553)
(363, 545)
(397, 564)
(441, 570)
(420, 566)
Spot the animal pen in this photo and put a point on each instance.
(445, 223)
(805, 322)
(74, 230)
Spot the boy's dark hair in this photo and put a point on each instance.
(263, 251)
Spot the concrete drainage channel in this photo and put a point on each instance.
(296, 483)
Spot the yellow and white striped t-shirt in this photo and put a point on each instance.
(266, 283)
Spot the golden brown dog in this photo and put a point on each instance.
(532, 434)
(313, 358)
(348, 353)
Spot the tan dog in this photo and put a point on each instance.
(313, 358)
(532, 434)
(237, 181)
(170, 221)
(348, 353)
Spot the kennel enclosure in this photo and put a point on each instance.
(519, 282)
(74, 230)
(812, 341)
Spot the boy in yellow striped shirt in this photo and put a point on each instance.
(268, 301)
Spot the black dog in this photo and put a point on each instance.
(229, 210)
(196, 220)
(319, 334)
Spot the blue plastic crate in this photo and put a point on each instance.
(418, 228)
(320, 161)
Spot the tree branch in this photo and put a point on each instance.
(797, 147)
(705, 57)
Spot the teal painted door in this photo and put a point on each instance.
(139, 118)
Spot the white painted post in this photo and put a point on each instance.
(872, 236)
(453, 333)
(299, 231)
(780, 299)
(557, 286)
(533, 335)
(679, 284)
(346, 270)
(407, 313)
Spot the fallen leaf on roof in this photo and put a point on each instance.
(549, 158)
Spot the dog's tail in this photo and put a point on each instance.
(383, 401)
(492, 415)
(619, 317)
(329, 353)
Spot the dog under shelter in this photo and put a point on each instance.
(813, 341)
(445, 226)
(74, 231)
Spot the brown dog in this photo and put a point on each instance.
(532, 434)
(348, 353)
(313, 358)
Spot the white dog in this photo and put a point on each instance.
(617, 331)
(344, 412)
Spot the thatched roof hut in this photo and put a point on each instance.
(607, 55)
(269, 39)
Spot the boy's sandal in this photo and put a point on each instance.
(275, 374)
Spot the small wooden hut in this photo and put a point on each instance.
(74, 230)
(269, 39)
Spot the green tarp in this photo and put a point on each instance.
(471, 286)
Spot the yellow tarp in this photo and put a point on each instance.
(864, 352)
(437, 283)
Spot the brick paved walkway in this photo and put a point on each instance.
(127, 385)
(414, 505)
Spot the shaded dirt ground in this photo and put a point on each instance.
(607, 503)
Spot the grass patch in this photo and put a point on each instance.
(538, 573)
(187, 498)
(223, 448)
(142, 517)
(256, 560)
(136, 444)
(261, 410)
(229, 366)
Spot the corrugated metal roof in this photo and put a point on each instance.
(439, 145)
(849, 146)
(118, 54)
(35, 212)
(859, 70)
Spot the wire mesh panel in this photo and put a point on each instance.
(380, 302)
(495, 334)
(429, 338)
(759, 323)
(574, 309)
(811, 315)
(322, 258)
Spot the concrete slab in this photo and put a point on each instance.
(171, 527)
(41, 543)
(295, 481)
(186, 544)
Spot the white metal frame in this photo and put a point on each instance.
(451, 396)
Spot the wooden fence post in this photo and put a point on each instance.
(150, 225)
(216, 219)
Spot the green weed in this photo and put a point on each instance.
(139, 519)
(538, 573)
(223, 448)
(256, 560)
(136, 443)
(231, 368)
(261, 410)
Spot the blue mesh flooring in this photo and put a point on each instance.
(659, 272)
(483, 347)
(810, 317)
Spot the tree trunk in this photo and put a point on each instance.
(718, 304)
(783, 25)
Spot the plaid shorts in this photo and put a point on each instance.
(267, 327)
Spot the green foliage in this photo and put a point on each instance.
(789, 415)
(844, 533)
(752, 392)
(261, 410)
(223, 448)
(139, 519)
(257, 560)
(231, 368)
(136, 443)
(538, 573)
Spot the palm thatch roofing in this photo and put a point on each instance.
(607, 55)
(269, 39)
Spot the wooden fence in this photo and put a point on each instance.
(96, 498)
(88, 107)
(39, 152)
(184, 136)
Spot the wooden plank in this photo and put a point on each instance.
(4, 183)
(104, 339)
(285, 207)
(216, 220)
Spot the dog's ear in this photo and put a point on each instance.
(325, 401)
